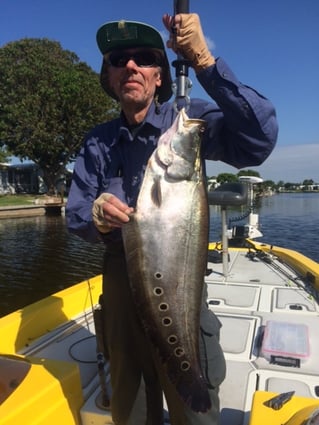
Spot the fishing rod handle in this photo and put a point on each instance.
(181, 6)
(182, 85)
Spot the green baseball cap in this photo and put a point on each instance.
(129, 34)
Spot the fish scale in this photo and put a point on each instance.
(166, 244)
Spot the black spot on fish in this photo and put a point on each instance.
(156, 192)
(163, 307)
(167, 321)
(179, 351)
(172, 339)
(158, 291)
(185, 366)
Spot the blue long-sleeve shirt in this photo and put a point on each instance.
(241, 131)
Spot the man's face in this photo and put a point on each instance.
(134, 75)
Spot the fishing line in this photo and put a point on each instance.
(79, 341)
(90, 294)
(299, 281)
(73, 357)
(101, 348)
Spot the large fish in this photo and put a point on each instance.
(166, 243)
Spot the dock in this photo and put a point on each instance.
(32, 210)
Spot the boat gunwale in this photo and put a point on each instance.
(20, 328)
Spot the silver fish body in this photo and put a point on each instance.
(166, 244)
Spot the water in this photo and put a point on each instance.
(290, 220)
(39, 257)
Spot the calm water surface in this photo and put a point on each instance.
(39, 257)
(290, 220)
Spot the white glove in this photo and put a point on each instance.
(109, 212)
(98, 213)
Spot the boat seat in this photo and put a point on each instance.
(229, 195)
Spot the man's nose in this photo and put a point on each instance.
(131, 64)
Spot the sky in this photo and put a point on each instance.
(272, 46)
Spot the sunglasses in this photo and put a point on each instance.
(142, 58)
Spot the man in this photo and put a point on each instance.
(241, 131)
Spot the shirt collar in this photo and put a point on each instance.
(152, 118)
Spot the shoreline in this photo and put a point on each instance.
(19, 211)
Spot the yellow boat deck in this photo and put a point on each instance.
(270, 338)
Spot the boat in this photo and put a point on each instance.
(52, 368)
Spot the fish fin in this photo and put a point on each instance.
(191, 387)
(194, 393)
(196, 397)
(156, 192)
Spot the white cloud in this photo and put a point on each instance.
(292, 163)
(210, 43)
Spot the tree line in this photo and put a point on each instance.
(49, 99)
(266, 184)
